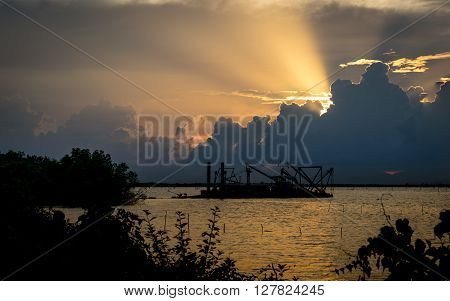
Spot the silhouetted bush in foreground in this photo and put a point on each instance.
(394, 251)
(121, 246)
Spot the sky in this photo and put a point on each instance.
(219, 57)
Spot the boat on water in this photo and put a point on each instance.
(290, 182)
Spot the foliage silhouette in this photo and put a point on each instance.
(394, 251)
(80, 179)
(92, 179)
(113, 249)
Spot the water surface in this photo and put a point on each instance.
(303, 233)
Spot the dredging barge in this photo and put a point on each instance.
(290, 182)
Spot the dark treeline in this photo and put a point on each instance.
(110, 243)
(79, 179)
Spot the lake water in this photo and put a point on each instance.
(303, 233)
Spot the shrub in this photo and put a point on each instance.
(121, 246)
(394, 251)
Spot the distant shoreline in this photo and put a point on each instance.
(334, 185)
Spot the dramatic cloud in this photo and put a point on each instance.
(18, 124)
(404, 65)
(374, 129)
(419, 64)
(280, 97)
(416, 94)
(443, 80)
(101, 126)
(269, 96)
(360, 62)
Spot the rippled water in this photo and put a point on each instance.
(303, 233)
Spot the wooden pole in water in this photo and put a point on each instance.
(361, 209)
(188, 224)
(329, 207)
(165, 221)
(343, 208)
(341, 232)
(262, 229)
(422, 208)
(300, 230)
(223, 228)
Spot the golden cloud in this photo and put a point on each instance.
(404, 65)
(282, 96)
(417, 65)
(360, 62)
(279, 97)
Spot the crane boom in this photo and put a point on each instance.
(262, 172)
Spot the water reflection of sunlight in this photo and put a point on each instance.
(319, 248)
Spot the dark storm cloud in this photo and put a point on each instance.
(370, 126)
(101, 126)
(416, 94)
(262, 140)
(373, 127)
(18, 123)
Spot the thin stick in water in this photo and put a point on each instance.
(165, 221)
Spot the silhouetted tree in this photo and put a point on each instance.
(92, 180)
(81, 179)
(394, 251)
(26, 180)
